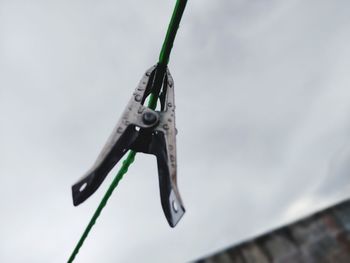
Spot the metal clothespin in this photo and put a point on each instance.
(142, 129)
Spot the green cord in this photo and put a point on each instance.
(171, 32)
(152, 103)
(123, 170)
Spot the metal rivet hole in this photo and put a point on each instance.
(174, 204)
(149, 118)
(82, 187)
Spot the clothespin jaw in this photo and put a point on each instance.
(142, 129)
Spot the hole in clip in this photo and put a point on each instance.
(82, 187)
(175, 207)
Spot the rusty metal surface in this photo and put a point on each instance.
(323, 237)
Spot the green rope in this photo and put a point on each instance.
(152, 103)
(123, 170)
(171, 33)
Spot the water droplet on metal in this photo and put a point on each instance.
(169, 120)
(171, 147)
(140, 110)
(172, 158)
(169, 104)
(138, 97)
(120, 130)
(166, 126)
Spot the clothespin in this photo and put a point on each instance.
(142, 129)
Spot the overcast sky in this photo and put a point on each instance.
(263, 113)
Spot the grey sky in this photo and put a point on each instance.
(263, 113)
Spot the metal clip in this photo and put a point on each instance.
(142, 129)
